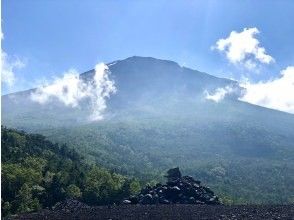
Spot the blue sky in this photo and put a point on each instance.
(52, 36)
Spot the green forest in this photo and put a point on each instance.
(238, 170)
(37, 174)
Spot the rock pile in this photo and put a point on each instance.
(178, 189)
(69, 205)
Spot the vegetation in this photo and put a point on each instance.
(158, 119)
(237, 170)
(37, 173)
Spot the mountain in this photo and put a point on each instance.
(159, 118)
(145, 86)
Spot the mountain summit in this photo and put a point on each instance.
(144, 85)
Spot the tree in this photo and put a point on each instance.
(5, 208)
(55, 191)
(135, 187)
(26, 202)
(72, 191)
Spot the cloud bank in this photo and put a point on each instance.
(244, 48)
(219, 94)
(276, 93)
(71, 90)
(8, 67)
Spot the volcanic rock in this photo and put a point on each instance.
(177, 190)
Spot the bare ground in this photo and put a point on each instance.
(177, 211)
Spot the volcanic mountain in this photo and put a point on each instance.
(159, 117)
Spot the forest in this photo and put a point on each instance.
(221, 155)
(37, 173)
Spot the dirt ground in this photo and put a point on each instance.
(168, 212)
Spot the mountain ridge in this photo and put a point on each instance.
(91, 71)
(134, 58)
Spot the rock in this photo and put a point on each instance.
(146, 189)
(208, 190)
(158, 185)
(172, 183)
(188, 178)
(196, 185)
(192, 200)
(199, 202)
(147, 199)
(152, 192)
(213, 200)
(164, 201)
(173, 174)
(134, 200)
(155, 199)
(172, 192)
(69, 204)
(177, 190)
(126, 202)
(191, 179)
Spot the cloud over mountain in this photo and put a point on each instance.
(219, 94)
(70, 90)
(275, 93)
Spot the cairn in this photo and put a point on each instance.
(177, 190)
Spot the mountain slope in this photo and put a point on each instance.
(160, 118)
(144, 85)
(36, 173)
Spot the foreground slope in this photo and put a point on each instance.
(36, 174)
(159, 118)
(268, 212)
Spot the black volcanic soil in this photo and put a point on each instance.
(176, 211)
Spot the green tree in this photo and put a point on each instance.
(6, 208)
(135, 187)
(26, 202)
(72, 191)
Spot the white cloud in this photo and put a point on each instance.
(103, 87)
(71, 90)
(244, 48)
(219, 94)
(8, 67)
(66, 89)
(276, 93)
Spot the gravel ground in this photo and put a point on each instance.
(168, 212)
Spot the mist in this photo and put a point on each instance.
(71, 90)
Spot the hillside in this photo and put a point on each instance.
(37, 174)
(159, 118)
